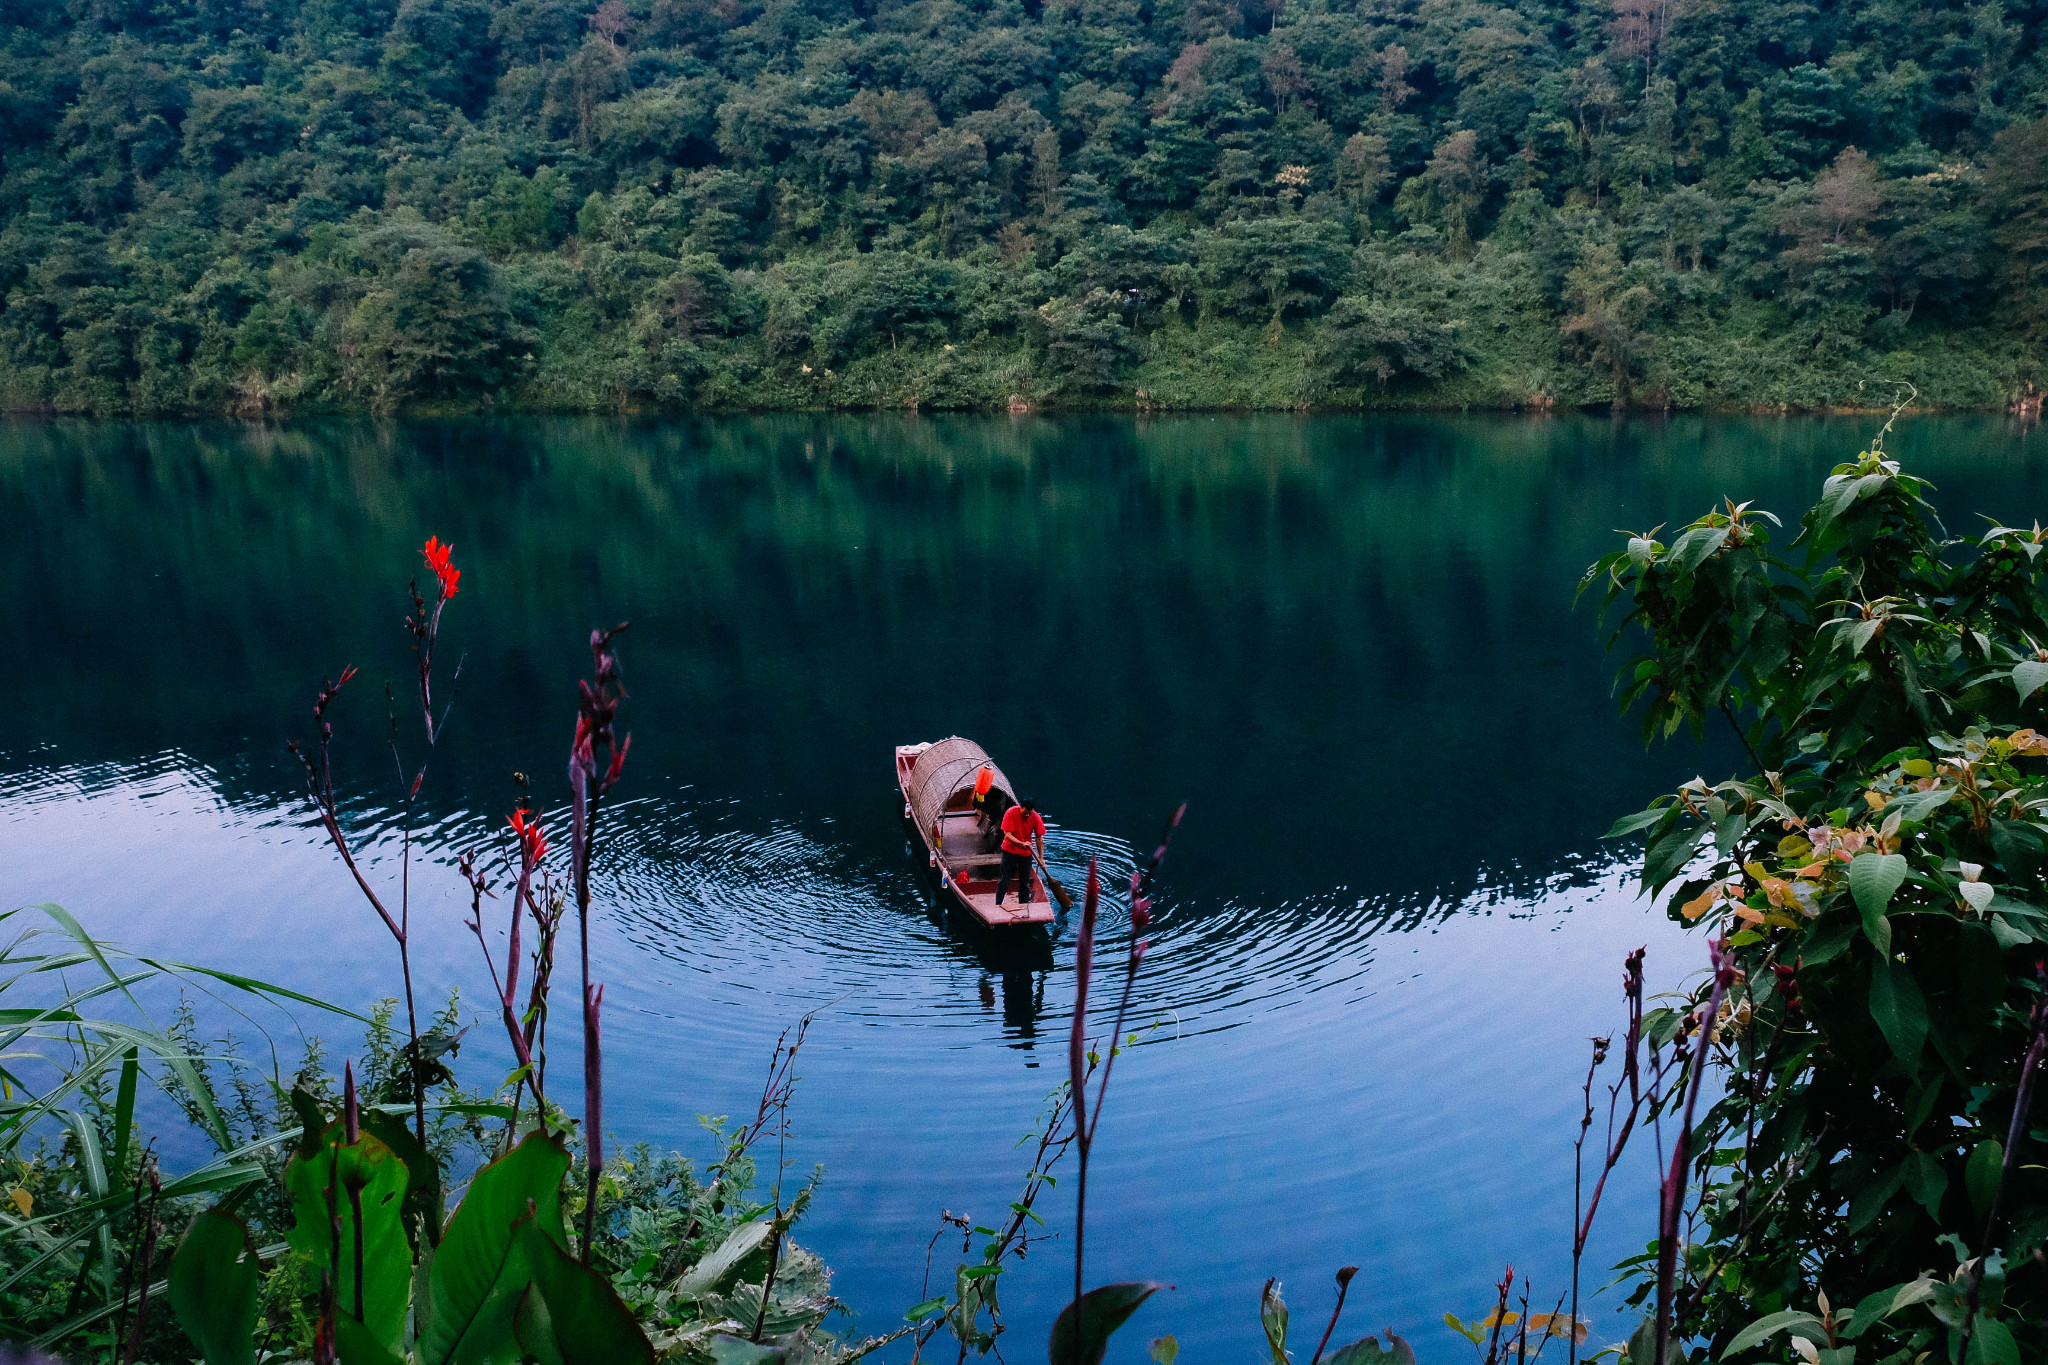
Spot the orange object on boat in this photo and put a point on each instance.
(983, 780)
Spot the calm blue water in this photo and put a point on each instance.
(1387, 929)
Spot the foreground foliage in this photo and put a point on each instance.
(1870, 1184)
(382, 204)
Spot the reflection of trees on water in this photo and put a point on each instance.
(1314, 628)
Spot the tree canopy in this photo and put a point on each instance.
(255, 205)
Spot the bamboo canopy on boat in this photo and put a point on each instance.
(945, 770)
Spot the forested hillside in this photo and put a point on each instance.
(300, 205)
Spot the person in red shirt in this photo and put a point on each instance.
(1023, 834)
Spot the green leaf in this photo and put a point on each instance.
(730, 1350)
(1668, 854)
(1728, 829)
(708, 1273)
(1273, 1317)
(919, 1312)
(1693, 548)
(124, 1110)
(2008, 934)
(1870, 1201)
(1920, 805)
(480, 1268)
(1826, 942)
(358, 1345)
(1642, 1345)
(424, 1203)
(2018, 846)
(588, 1323)
(1992, 1344)
(1876, 1307)
(1165, 1350)
(1467, 1330)
(1764, 1328)
(325, 1227)
(1368, 1351)
(215, 1283)
(1898, 1007)
(1874, 878)
(1642, 819)
(1982, 1172)
(1082, 1338)
(1927, 1182)
(2028, 675)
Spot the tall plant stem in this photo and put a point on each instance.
(593, 1056)
(412, 1018)
(1077, 1069)
(1672, 1196)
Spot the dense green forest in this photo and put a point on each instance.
(247, 206)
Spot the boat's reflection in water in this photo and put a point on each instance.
(1014, 959)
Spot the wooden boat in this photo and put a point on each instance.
(963, 843)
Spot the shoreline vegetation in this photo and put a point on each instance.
(390, 206)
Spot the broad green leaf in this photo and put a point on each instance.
(480, 1269)
(1992, 1344)
(1081, 1338)
(1642, 1345)
(325, 1226)
(2018, 846)
(708, 1273)
(2008, 934)
(1463, 1328)
(358, 1345)
(2028, 675)
(1369, 1352)
(1836, 493)
(1728, 829)
(1874, 878)
(1693, 548)
(1982, 1173)
(1927, 1182)
(215, 1283)
(424, 1202)
(1764, 1328)
(1826, 942)
(1165, 1350)
(1898, 1007)
(1869, 1201)
(1920, 805)
(1875, 1308)
(1642, 819)
(586, 1321)
(729, 1350)
(1669, 852)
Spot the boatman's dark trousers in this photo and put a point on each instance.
(1019, 866)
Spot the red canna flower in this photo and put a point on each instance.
(437, 555)
(532, 838)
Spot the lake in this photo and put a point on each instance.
(1385, 933)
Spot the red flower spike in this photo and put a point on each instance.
(450, 577)
(532, 838)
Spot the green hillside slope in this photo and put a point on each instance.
(299, 205)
